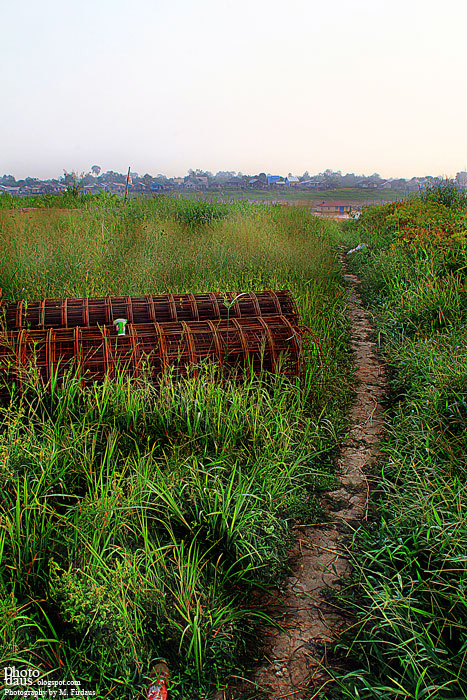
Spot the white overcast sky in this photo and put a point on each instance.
(251, 85)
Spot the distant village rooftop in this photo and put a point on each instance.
(333, 207)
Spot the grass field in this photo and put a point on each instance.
(138, 522)
(409, 592)
(142, 522)
(346, 194)
(355, 196)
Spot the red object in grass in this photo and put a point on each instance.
(157, 690)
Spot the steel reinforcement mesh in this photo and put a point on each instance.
(165, 308)
(149, 349)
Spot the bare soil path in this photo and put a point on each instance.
(297, 656)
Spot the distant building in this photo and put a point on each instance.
(30, 190)
(417, 184)
(461, 178)
(258, 183)
(58, 188)
(138, 187)
(195, 182)
(275, 180)
(235, 183)
(292, 180)
(333, 208)
(367, 184)
(13, 191)
(311, 184)
(394, 184)
(113, 187)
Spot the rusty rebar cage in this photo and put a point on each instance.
(150, 349)
(165, 308)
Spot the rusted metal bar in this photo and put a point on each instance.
(311, 341)
(260, 343)
(100, 311)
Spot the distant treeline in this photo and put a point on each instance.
(114, 183)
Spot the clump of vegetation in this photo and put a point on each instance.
(194, 213)
(448, 193)
(408, 594)
(437, 217)
(138, 522)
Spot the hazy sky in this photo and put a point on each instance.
(252, 85)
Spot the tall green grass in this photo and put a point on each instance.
(72, 198)
(409, 590)
(139, 522)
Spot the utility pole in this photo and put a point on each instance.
(127, 183)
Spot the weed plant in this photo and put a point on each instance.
(140, 521)
(409, 588)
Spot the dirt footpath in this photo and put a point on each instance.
(297, 656)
